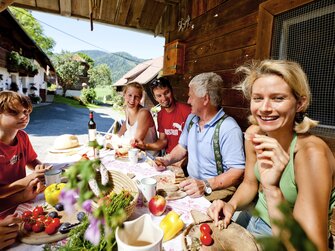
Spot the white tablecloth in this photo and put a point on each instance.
(142, 169)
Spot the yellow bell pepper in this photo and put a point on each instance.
(171, 225)
(52, 193)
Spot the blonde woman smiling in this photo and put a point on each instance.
(139, 124)
(286, 161)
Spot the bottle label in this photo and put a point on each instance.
(92, 133)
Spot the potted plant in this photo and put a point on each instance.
(18, 63)
(14, 61)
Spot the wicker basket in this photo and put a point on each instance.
(119, 182)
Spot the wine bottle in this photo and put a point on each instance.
(92, 129)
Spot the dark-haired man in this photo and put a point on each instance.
(171, 119)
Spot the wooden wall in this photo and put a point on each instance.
(222, 35)
(3, 57)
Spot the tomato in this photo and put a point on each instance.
(48, 221)
(50, 229)
(41, 218)
(38, 211)
(55, 222)
(205, 228)
(26, 215)
(84, 156)
(34, 217)
(206, 239)
(28, 226)
(38, 227)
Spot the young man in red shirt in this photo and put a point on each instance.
(171, 119)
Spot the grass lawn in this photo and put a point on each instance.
(103, 91)
(72, 102)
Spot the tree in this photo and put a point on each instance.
(34, 29)
(87, 58)
(68, 70)
(100, 75)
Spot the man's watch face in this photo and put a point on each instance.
(208, 190)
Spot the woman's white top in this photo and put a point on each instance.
(150, 137)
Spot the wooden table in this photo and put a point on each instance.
(142, 169)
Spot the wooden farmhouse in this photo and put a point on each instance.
(28, 76)
(220, 35)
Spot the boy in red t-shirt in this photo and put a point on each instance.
(171, 119)
(16, 152)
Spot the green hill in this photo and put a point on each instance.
(119, 62)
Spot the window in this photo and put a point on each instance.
(304, 31)
(307, 35)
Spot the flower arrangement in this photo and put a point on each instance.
(105, 211)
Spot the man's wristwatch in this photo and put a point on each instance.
(208, 189)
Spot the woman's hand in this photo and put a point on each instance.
(8, 230)
(272, 159)
(219, 209)
(138, 144)
(193, 187)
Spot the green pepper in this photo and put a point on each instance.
(171, 225)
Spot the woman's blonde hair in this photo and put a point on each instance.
(134, 85)
(292, 74)
(9, 101)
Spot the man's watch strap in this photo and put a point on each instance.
(208, 189)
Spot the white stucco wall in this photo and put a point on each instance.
(72, 93)
(23, 81)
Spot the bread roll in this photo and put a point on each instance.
(66, 141)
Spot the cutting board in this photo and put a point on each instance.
(233, 238)
(42, 237)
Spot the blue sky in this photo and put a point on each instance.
(105, 37)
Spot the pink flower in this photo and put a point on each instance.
(68, 199)
(87, 206)
(92, 233)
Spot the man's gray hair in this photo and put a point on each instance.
(208, 83)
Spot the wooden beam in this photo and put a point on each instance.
(4, 4)
(173, 2)
(100, 8)
(123, 7)
(65, 8)
(276, 7)
(264, 34)
(135, 13)
(109, 11)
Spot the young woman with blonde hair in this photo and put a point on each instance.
(139, 124)
(283, 161)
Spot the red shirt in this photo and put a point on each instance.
(13, 159)
(172, 124)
